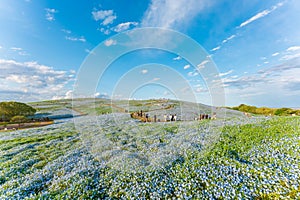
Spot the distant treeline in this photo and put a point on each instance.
(266, 111)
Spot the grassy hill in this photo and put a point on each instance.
(112, 156)
(185, 110)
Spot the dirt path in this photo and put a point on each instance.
(10, 127)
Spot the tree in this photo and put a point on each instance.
(10, 109)
(283, 111)
(19, 119)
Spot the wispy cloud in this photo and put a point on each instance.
(186, 66)
(275, 54)
(66, 31)
(225, 73)
(156, 79)
(293, 48)
(144, 71)
(171, 14)
(216, 48)
(80, 39)
(50, 14)
(16, 48)
(110, 42)
(177, 58)
(106, 31)
(228, 39)
(194, 73)
(124, 26)
(260, 15)
(20, 51)
(268, 80)
(106, 16)
(291, 53)
(290, 56)
(202, 64)
(248, 21)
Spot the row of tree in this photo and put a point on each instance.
(15, 111)
(266, 111)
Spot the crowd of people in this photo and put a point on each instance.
(145, 117)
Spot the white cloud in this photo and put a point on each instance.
(200, 90)
(16, 48)
(124, 26)
(229, 38)
(202, 64)
(106, 16)
(43, 82)
(110, 42)
(225, 73)
(275, 54)
(260, 15)
(293, 48)
(171, 14)
(263, 58)
(194, 73)
(20, 51)
(290, 56)
(102, 14)
(177, 58)
(80, 39)
(291, 53)
(50, 14)
(97, 94)
(186, 66)
(66, 31)
(106, 31)
(67, 95)
(109, 20)
(277, 76)
(23, 53)
(216, 48)
(144, 71)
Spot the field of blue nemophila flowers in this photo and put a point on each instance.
(256, 158)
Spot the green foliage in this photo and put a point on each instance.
(103, 110)
(19, 119)
(266, 111)
(283, 111)
(246, 108)
(11, 109)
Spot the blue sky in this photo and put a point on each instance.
(255, 46)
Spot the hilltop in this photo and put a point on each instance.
(186, 111)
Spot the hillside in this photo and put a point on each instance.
(186, 111)
(112, 156)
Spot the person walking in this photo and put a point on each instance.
(165, 117)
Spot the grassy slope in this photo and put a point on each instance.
(185, 110)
